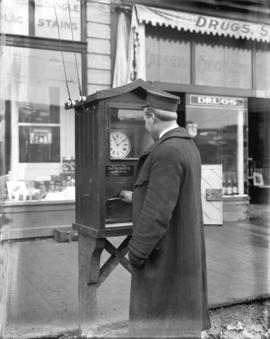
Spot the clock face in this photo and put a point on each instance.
(119, 145)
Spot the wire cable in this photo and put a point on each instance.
(76, 61)
(62, 53)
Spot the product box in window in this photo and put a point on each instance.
(68, 165)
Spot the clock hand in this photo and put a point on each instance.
(120, 142)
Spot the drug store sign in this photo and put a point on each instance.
(214, 101)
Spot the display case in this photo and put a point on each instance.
(127, 140)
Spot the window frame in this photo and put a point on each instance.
(55, 44)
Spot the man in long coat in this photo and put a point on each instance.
(167, 250)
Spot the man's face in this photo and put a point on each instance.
(150, 123)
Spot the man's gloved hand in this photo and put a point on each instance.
(135, 261)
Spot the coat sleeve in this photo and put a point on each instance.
(160, 200)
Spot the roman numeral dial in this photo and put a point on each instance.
(119, 145)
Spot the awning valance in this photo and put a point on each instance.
(204, 24)
(130, 57)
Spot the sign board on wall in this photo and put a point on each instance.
(215, 101)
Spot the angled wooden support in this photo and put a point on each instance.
(117, 256)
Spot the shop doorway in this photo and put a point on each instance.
(259, 150)
(218, 125)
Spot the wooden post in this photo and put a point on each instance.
(90, 250)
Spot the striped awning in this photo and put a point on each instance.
(204, 24)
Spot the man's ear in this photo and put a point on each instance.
(153, 117)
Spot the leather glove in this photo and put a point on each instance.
(135, 261)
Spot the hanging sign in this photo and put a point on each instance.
(14, 18)
(46, 22)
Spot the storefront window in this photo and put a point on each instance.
(42, 18)
(224, 66)
(14, 17)
(167, 57)
(39, 132)
(262, 61)
(218, 126)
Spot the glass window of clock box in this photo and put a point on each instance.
(128, 136)
(219, 128)
(128, 140)
(40, 17)
(38, 133)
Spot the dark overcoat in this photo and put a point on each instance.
(169, 293)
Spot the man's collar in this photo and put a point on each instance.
(168, 129)
(180, 132)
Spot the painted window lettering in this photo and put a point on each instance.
(53, 23)
(74, 7)
(164, 60)
(171, 60)
(21, 2)
(208, 65)
(151, 58)
(12, 18)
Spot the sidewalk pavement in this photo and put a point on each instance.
(42, 298)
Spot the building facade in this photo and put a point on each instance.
(213, 54)
(215, 57)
